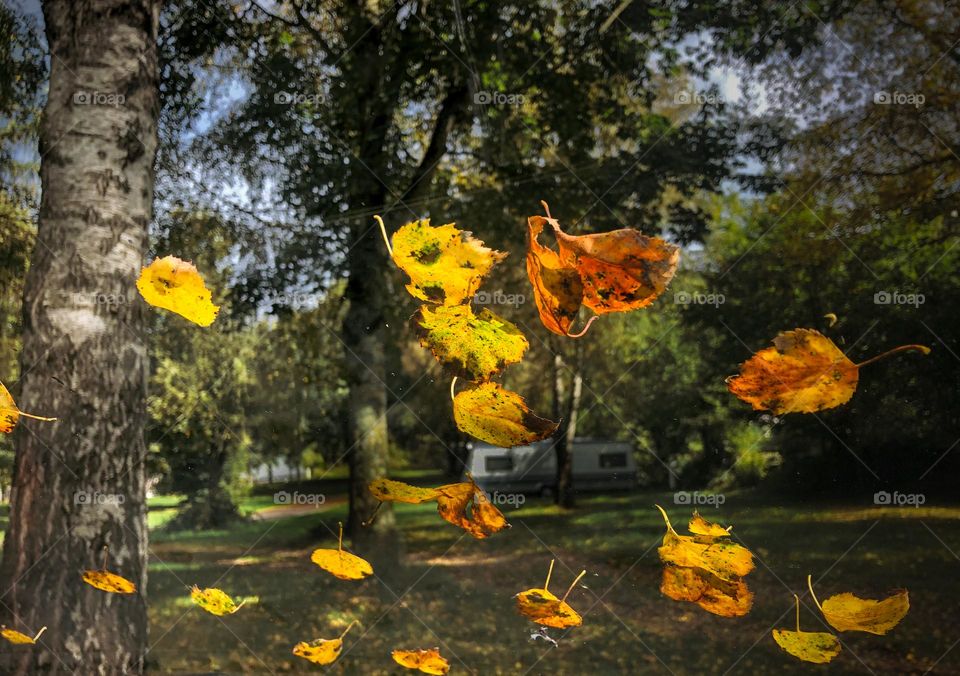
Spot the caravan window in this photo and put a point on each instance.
(612, 460)
(498, 463)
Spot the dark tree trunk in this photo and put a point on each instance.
(79, 482)
(566, 409)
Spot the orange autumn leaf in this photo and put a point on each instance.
(341, 564)
(427, 661)
(542, 607)
(817, 647)
(498, 416)
(17, 638)
(696, 585)
(467, 506)
(804, 372)
(557, 288)
(109, 582)
(388, 490)
(176, 285)
(322, 650)
(445, 265)
(214, 601)
(10, 414)
(846, 612)
(472, 346)
(620, 270)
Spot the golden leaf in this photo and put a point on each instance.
(387, 490)
(341, 564)
(804, 372)
(109, 582)
(696, 585)
(214, 601)
(456, 500)
(700, 526)
(17, 638)
(810, 646)
(322, 650)
(445, 265)
(542, 607)
(721, 558)
(472, 346)
(176, 285)
(10, 414)
(557, 288)
(427, 661)
(498, 416)
(846, 612)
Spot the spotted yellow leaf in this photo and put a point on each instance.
(542, 607)
(846, 612)
(810, 646)
(388, 490)
(427, 661)
(498, 416)
(322, 650)
(17, 638)
(10, 414)
(176, 285)
(341, 564)
(214, 601)
(109, 582)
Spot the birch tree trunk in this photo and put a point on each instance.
(79, 482)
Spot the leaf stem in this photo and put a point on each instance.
(810, 587)
(373, 516)
(584, 329)
(383, 231)
(340, 539)
(798, 612)
(666, 519)
(39, 634)
(106, 554)
(349, 627)
(572, 585)
(546, 209)
(453, 384)
(546, 585)
(903, 348)
(35, 417)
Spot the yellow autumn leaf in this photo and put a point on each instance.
(804, 372)
(472, 346)
(10, 414)
(109, 582)
(810, 646)
(467, 506)
(176, 285)
(846, 612)
(388, 490)
(445, 265)
(498, 416)
(696, 585)
(214, 601)
(322, 650)
(542, 607)
(17, 638)
(700, 526)
(722, 558)
(427, 661)
(341, 564)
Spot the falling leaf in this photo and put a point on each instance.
(427, 661)
(722, 558)
(804, 372)
(620, 270)
(445, 265)
(18, 638)
(387, 490)
(109, 582)
(322, 650)
(542, 607)
(846, 612)
(700, 526)
(214, 601)
(176, 285)
(472, 346)
(696, 585)
(467, 506)
(10, 414)
(498, 416)
(341, 564)
(810, 646)
(557, 288)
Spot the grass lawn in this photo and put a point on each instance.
(455, 592)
